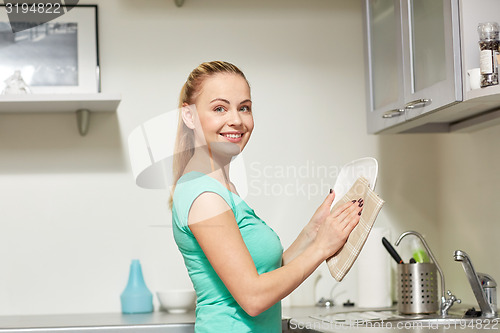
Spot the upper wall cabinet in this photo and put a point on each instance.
(417, 54)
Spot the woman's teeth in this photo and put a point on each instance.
(232, 136)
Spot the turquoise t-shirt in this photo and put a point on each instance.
(216, 309)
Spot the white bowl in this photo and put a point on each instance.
(177, 301)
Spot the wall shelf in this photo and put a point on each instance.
(81, 104)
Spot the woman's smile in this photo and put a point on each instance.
(234, 137)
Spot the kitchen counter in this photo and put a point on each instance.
(302, 319)
(103, 322)
(157, 321)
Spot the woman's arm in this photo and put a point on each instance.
(222, 243)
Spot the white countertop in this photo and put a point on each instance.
(94, 319)
(83, 320)
(300, 317)
(119, 319)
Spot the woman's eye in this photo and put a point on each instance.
(245, 108)
(219, 109)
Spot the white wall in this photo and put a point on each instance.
(468, 214)
(72, 218)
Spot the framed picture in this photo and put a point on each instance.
(59, 56)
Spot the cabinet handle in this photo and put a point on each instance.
(418, 103)
(393, 113)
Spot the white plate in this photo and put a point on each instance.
(366, 167)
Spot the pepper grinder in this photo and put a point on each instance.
(136, 298)
(488, 59)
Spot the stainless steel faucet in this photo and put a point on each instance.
(483, 286)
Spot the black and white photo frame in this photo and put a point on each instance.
(59, 56)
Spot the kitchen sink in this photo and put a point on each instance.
(392, 319)
(448, 322)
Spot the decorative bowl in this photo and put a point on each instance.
(177, 301)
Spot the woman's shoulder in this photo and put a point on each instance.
(191, 184)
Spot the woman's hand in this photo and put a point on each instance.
(311, 229)
(308, 233)
(336, 227)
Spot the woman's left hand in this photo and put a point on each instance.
(311, 229)
(309, 232)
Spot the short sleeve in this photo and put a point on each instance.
(188, 188)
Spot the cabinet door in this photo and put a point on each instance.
(385, 63)
(431, 52)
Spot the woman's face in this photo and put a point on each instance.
(224, 110)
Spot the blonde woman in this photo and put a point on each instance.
(235, 261)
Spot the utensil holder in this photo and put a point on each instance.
(418, 283)
(417, 288)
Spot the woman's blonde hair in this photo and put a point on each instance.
(184, 142)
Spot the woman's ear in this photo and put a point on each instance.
(187, 112)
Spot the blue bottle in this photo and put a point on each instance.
(136, 298)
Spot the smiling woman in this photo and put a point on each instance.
(222, 118)
(235, 261)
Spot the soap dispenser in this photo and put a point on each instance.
(136, 298)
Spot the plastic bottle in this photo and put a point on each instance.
(136, 298)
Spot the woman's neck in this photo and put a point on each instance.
(204, 161)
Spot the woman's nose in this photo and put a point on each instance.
(234, 118)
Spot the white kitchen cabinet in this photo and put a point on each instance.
(418, 53)
(385, 63)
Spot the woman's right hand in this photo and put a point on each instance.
(334, 231)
